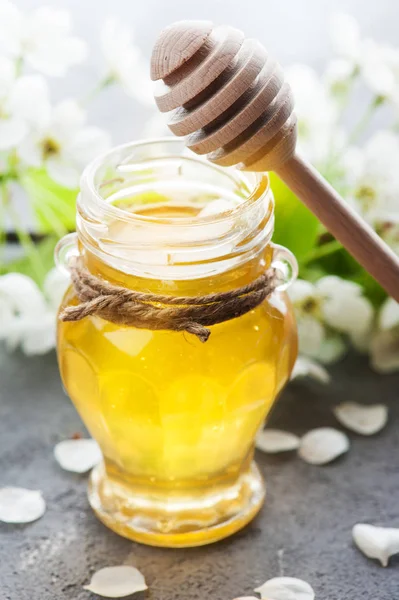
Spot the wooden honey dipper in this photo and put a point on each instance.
(228, 96)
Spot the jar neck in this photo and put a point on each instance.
(150, 211)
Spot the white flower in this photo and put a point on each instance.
(317, 114)
(77, 456)
(326, 311)
(306, 367)
(27, 317)
(41, 37)
(379, 68)
(372, 175)
(384, 347)
(124, 61)
(65, 145)
(338, 76)
(54, 287)
(24, 104)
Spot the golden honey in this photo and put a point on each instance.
(175, 418)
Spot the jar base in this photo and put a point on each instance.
(176, 520)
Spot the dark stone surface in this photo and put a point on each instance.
(304, 529)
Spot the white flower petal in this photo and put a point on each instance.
(376, 69)
(12, 132)
(300, 291)
(68, 120)
(29, 100)
(316, 109)
(22, 294)
(389, 314)
(323, 445)
(306, 367)
(117, 582)
(332, 285)
(384, 351)
(338, 75)
(124, 61)
(286, 588)
(38, 336)
(332, 349)
(19, 505)
(30, 151)
(7, 76)
(273, 441)
(78, 456)
(7, 317)
(55, 286)
(376, 184)
(366, 420)
(347, 312)
(311, 335)
(88, 143)
(376, 542)
(135, 81)
(50, 47)
(63, 54)
(64, 172)
(35, 334)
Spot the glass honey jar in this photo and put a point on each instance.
(176, 417)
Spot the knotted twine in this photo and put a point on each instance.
(155, 311)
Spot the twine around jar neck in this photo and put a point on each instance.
(193, 314)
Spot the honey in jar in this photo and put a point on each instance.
(176, 417)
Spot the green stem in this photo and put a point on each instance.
(19, 65)
(365, 119)
(102, 84)
(343, 101)
(26, 241)
(322, 251)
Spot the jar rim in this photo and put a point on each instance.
(259, 182)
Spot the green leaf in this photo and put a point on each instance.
(296, 227)
(54, 206)
(371, 288)
(23, 265)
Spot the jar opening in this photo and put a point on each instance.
(156, 210)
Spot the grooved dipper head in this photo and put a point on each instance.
(225, 94)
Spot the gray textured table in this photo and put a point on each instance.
(304, 529)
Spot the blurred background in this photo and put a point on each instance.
(292, 30)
